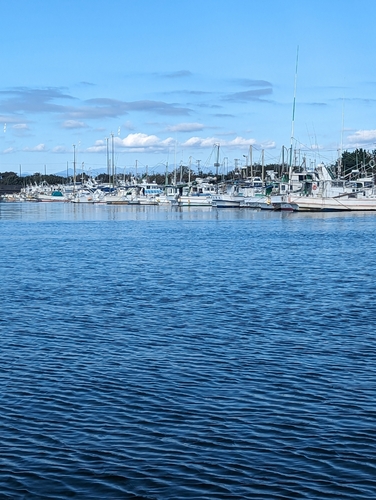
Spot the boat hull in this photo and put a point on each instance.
(227, 201)
(193, 201)
(331, 204)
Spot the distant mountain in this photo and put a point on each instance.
(70, 172)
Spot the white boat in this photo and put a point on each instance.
(256, 195)
(199, 193)
(83, 195)
(283, 203)
(326, 193)
(56, 195)
(232, 197)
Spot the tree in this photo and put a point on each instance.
(360, 159)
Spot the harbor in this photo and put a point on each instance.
(305, 186)
(161, 352)
(187, 245)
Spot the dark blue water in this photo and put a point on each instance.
(152, 353)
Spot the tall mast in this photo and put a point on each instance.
(112, 160)
(108, 162)
(293, 112)
(175, 163)
(166, 174)
(250, 159)
(74, 168)
(216, 164)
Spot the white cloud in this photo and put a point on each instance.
(38, 148)
(143, 141)
(238, 142)
(20, 126)
(140, 142)
(59, 149)
(186, 127)
(74, 124)
(99, 147)
(200, 142)
(362, 137)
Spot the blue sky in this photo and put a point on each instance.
(171, 79)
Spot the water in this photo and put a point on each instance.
(158, 353)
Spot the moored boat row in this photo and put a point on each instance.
(315, 190)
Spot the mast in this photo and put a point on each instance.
(166, 174)
(112, 160)
(108, 160)
(175, 163)
(250, 160)
(216, 164)
(293, 114)
(74, 168)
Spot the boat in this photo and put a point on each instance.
(258, 196)
(324, 192)
(83, 195)
(200, 193)
(56, 195)
(228, 197)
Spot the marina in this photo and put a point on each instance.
(187, 248)
(295, 188)
(162, 352)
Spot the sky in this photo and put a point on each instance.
(152, 84)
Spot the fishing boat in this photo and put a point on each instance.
(229, 196)
(324, 192)
(199, 193)
(55, 195)
(257, 195)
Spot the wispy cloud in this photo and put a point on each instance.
(362, 138)
(246, 82)
(248, 95)
(20, 129)
(59, 149)
(316, 104)
(36, 149)
(185, 127)
(20, 126)
(223, 115)
(112, 108)
(178, 74)
(73, 124)
(199, 142)
(185, 92)
(28, 100)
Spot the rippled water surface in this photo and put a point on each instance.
(152, 353)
